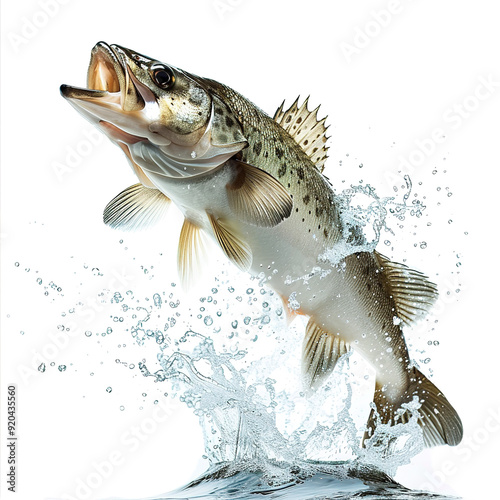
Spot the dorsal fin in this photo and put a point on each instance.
(136, 207)
(309, 132)
(413, 294)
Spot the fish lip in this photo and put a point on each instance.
(70, 92)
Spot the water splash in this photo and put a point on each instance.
(263, 434)
(364, 215)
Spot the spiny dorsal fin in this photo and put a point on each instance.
(320, 352)
(413, 294)
(309, 132)
(257, 197)
(137, 207)
(191, 254)
(236, 250)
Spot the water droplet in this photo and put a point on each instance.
(88, 333)
(108, 389)
(423, 245)
(122, 408)
(41, 368)
(157, 300)
(62, 368)
(16, 264)
(208, 320)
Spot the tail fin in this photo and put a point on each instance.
(439, 421)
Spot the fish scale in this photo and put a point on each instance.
(253, 184)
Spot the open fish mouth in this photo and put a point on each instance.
(106, 77)
(106, 72)
(111, 95)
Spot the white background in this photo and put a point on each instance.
(386, 79)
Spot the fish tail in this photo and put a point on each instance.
(438, 419)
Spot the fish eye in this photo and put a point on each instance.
(163, 76)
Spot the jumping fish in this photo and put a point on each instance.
(254, 184)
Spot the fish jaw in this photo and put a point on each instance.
(114, 99)
(167, 133)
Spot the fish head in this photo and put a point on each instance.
(166, 120)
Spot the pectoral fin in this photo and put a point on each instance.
(191, 254)
(137, 207)
(256, 197)
(231, 244)
(320, 353)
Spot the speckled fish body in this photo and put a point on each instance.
(254, 185)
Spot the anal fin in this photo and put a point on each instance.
(320, 353)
